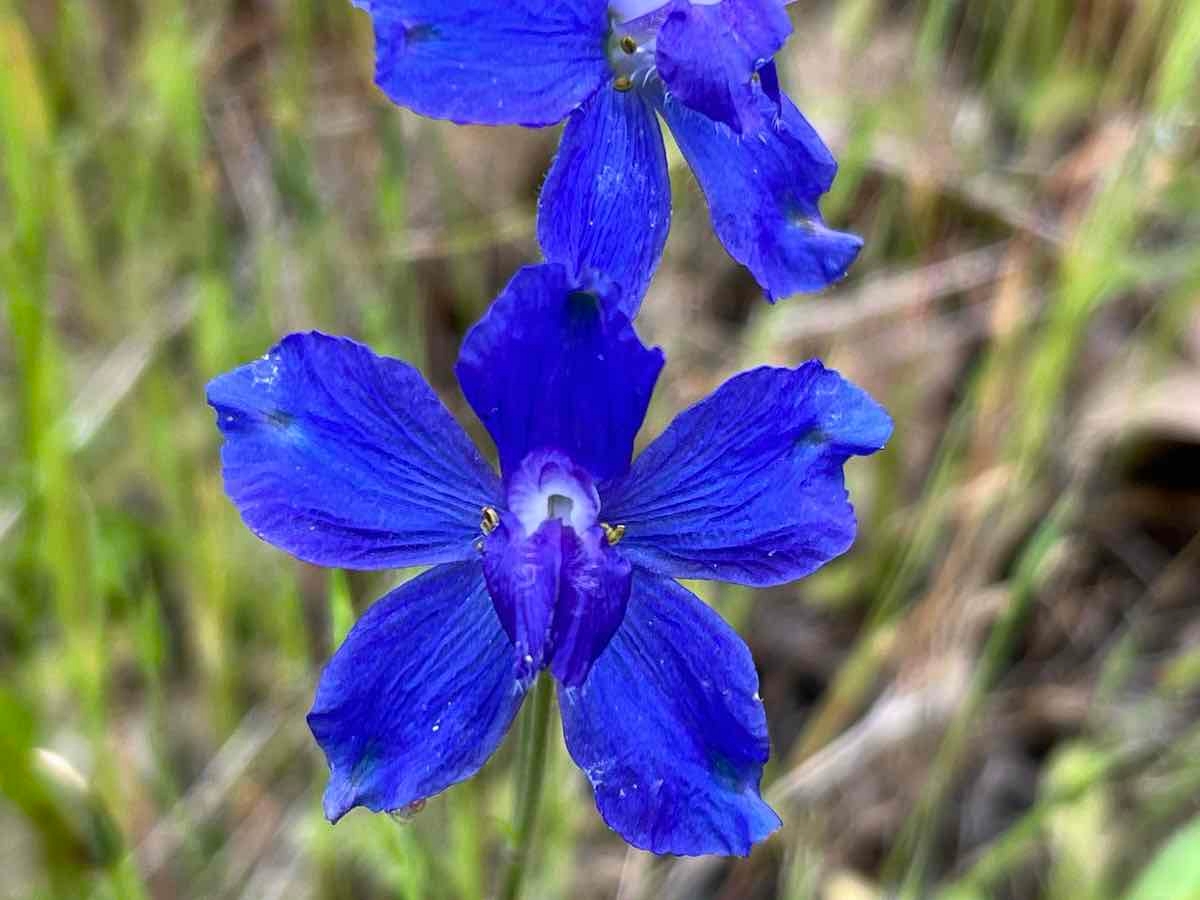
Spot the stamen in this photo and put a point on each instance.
(490, 520)
(623, 83)
(612, 533)
(629, 45)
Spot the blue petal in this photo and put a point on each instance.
(419, 695)
(550, 366)
(559, 595)
(708, 54)
(523, 578)
(669, 729)
(747, 485)
(606, 205)
(593, 593)
(769, 79)
(762, 191)
(520, 62)
(345, 458)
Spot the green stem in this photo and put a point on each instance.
(531, 765)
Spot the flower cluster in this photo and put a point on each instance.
(565, 561)
(611, 68)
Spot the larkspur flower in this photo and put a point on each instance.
(610, 68)
(566, 563)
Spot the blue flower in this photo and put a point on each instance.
(566, 562)
(610, 69)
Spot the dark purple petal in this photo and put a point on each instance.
(606, 206)
(762, 191)
(747, 485)
(669, 729)
(345, 458)
(707, 56)
(418, 697)
(552, 366)
(523, 579)
(592, 596)
(520, 62)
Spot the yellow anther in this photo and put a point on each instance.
(623, 83)
(490, 520)
(628, 44)
(612, 533)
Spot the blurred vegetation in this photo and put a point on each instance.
(994, 695)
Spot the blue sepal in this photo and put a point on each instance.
(669, 729)
(551, 365)
(747, 484)
(763, 190)
(345, 458)
(520, 62)
(605, 209)
(418, 696)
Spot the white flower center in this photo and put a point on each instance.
(549, 486)
(624, 10)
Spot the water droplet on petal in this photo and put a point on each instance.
(405, 814)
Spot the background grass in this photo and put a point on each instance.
(993, 695)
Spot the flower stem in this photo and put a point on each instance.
(531, 765)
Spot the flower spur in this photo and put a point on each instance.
(567, 563)
(611, 69)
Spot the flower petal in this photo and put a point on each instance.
(762, 191)
(747, 485)
(419, 695)
(708, 54)
(669, 729)
(345, 458)
(559, 595)
(551, 366)
(522, 575)
(520, 62)
(606, 205)
(592, 597)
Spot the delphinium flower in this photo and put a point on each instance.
(565, 563)
(611, 68)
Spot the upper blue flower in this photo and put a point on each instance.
(607, 67)
(565, 562)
